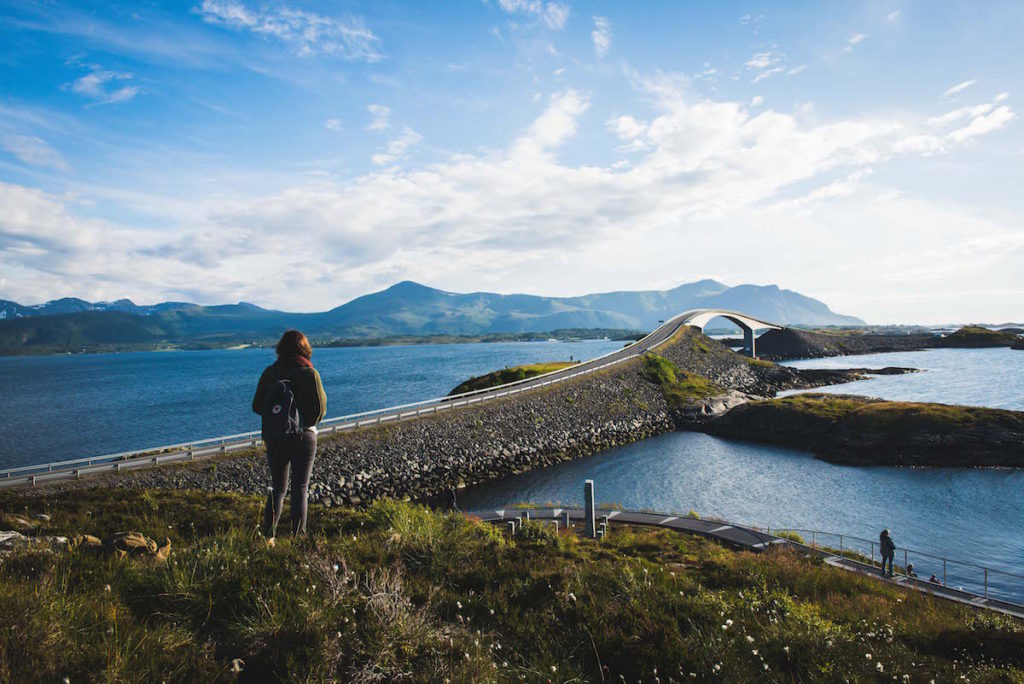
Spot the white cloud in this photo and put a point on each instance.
(100, 86)
(521, 218)
(958, 126)
(766, 64)
(756, 101)
(34, 151)
(985, 123)
(854, 40)
(397, 148)
(553, 15)
(381, 117)
(308, 33)
(602, 36)
(893, 17)
(959, 88)
(797, 70)
(333, 124)
(626, 127)
(762, 60)
(840, 188)
(1002, 96)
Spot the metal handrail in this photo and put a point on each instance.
(355, 420)
(907, 554)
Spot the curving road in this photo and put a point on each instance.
(177, 453)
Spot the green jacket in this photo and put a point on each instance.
(309, 391)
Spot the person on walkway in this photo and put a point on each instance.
(910, 570)
(296, 450)
(888, 548)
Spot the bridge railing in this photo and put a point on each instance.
(972, 577)
(204, 447)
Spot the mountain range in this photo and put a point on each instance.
(407, 309)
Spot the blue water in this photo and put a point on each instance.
(971, 515)
(975, 377)
(71, 406)
(58, 407)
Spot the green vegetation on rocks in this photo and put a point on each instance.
(678, 386)
(973, 336)
(864, 431)
(507, 375)
(400, 593)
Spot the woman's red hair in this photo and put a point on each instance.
(294, 342)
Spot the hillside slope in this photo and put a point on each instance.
(402, 593)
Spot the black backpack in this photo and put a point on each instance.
(281, 412)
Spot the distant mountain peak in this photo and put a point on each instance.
(409, 285)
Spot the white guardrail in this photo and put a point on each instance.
(189, 451)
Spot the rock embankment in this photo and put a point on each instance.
(855, 430)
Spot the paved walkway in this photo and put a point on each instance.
(747, 538)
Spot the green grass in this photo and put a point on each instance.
(976, 336)
(678, 385)
(895, 415)
(507, 375)
(400, 593)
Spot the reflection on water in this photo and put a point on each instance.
(971, 515)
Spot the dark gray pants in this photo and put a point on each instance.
(284, 455)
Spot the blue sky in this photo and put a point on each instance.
(298, 155)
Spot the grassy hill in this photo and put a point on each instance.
(864, 431)
(99, 330)
(507, 375)
(399, 593)
(973, 336)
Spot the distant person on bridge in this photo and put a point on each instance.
(291, 399)
(888, 551)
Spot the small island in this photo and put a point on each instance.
(976, 337)
(854, 430)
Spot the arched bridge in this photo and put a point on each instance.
(748, 324)
(80, 467)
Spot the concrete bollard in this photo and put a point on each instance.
(590, 529)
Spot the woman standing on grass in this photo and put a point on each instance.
(291, 399)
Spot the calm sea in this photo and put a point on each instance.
(70, 406)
